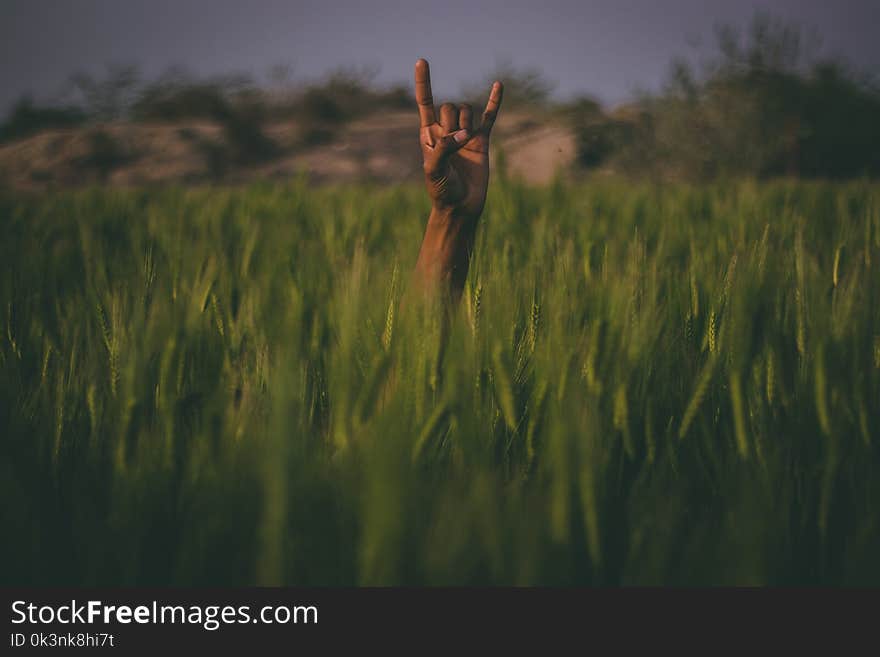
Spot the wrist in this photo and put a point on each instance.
(450, 218)
(446, 248)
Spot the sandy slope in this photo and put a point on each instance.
(381, 148)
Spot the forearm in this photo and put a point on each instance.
(455, 157)
(444, 257)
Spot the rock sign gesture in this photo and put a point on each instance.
(455, 154)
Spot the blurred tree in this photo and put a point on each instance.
(26, 119)
(110, 98)
(764, 104)
(523, 87)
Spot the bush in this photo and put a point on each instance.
(523, 88)
(233, 102)
(347, 94)
(109, 98)
(27, 119)
(173, 103)
(765, 107)
(243, 129)
(106, 153)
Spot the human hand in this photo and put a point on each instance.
(454, 152)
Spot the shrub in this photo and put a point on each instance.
(106, 153)
(764, 107)
(27, 119)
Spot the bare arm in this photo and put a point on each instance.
(455, 155)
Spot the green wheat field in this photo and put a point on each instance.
(643, 385)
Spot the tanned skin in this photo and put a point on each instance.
(455, 155)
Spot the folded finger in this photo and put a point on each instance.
(449, 117)
(466, 118)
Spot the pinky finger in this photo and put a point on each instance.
(492, 107)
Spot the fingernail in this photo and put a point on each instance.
(460, 136)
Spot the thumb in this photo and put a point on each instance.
(450, 143)
(436, 160)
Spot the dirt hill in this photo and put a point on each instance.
(379, 148)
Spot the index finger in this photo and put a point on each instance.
(423, 93)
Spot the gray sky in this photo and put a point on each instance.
(608, 48)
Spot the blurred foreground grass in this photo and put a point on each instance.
(644, 385)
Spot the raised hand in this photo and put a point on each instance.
(455, 152)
